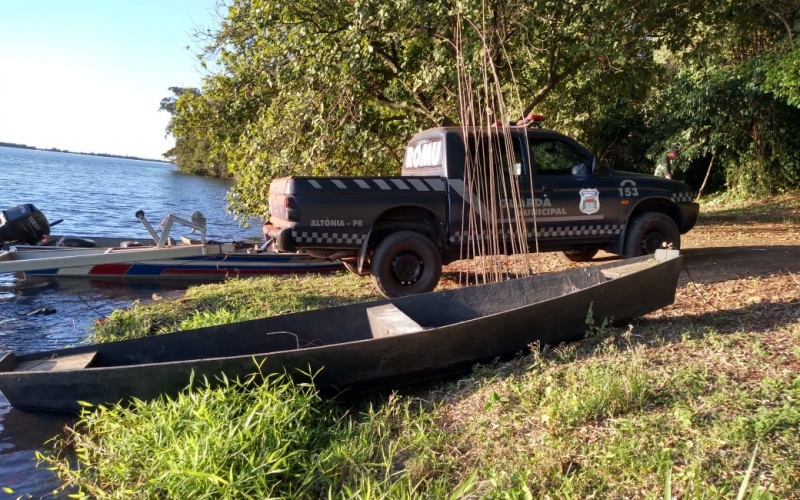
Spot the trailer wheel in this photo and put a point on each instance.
(405, 263)
(583, 254)
(650, 231)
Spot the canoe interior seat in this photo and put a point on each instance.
(58, 363)
(387, 321)
(626, 269)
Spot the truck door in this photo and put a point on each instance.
(493, 185)
(571, 202)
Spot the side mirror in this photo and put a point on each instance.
(580, 169)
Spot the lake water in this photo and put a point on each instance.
(95, 196)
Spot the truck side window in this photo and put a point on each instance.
(557, 157)
(497, 154)
(513, 165)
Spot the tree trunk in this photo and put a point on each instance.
(708, 174)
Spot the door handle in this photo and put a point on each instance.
(549, 187)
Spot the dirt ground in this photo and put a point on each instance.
(735, 244)
(740, 258)
(742, 274)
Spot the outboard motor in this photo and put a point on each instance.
(23, 224)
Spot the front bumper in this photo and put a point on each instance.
(689, 214)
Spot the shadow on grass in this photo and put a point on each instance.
(755, 318)
(718, 264)
(767, 211)
(649, 332)
(704, 264)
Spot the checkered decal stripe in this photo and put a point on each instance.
(593, 230)
(325, 237)
(405, 184)
(684, 197)
(549, 232)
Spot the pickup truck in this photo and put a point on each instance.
(461, 187)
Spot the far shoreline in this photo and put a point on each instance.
(56, 150)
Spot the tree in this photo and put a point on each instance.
(192, 150)
(782, 75)
(728, 104)
(308, 87)
(336, 88)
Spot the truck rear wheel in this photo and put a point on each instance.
(405, 263)
(650, 231)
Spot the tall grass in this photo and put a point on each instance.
(602, 418)
(274, 439)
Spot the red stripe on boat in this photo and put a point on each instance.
(111, 269)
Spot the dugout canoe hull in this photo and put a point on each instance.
(357, 347)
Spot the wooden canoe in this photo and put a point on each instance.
(356, 347)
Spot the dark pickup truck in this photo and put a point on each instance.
(460, 186)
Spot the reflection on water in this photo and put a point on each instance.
(21, 436)
(39, 314)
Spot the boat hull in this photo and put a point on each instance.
(343, 347)
(159, 256)
(197, 262)
(210, 267)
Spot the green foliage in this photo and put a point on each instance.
(332, 88)
(192, 150)
(267, 437)
(782, 72)
(717, 105)
(337, 88)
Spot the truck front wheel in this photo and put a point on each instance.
(405, 263)
(650, 231)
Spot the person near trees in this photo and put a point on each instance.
(664, 164)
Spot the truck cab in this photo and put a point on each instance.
(565, 197)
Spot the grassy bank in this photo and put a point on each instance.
(235, 300)
(676, 404)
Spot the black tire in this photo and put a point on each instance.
(583, 254)
(405, 263)
(650, 231)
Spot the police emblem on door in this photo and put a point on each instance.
(590, 201)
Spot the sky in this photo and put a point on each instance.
(88, 75)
